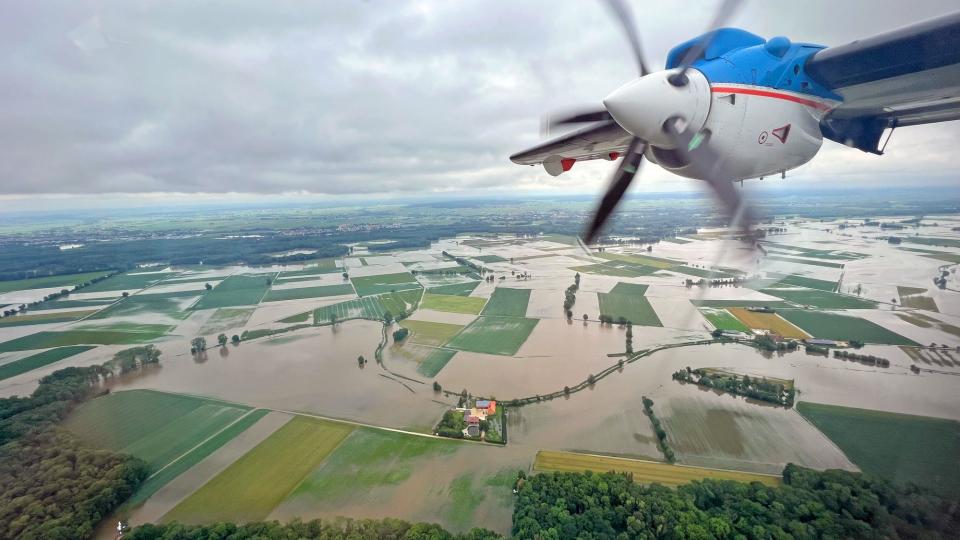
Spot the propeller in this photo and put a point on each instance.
(726, 10)
(686, 142)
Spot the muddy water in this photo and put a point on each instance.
(314, 370)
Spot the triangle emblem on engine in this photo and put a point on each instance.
(782, 133)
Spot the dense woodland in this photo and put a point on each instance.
(51, 485)
(341, 528)
(810, 504)
(761, 389)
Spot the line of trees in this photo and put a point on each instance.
(809, 504)
(62, 293)
(755, 388)
(867, 359)
(570, 296)
(134, 358)
(659, 431)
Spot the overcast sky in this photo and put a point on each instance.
(372, 98)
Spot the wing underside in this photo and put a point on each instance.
(596, 141)
(907, 77)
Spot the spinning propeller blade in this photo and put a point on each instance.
(624, 174)
(625, 17)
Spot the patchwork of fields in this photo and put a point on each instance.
(250, 488)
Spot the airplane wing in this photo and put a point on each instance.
(602, 140)
(906, 77)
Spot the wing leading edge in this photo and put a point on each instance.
(906, 77)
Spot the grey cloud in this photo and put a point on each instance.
(342, 97)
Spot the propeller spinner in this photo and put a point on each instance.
(645, 106)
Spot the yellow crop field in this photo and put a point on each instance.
(768, 321)
(644, 472)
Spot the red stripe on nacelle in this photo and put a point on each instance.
(768, 93)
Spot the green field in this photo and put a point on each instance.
(434, 362)
(913, 297)
(931, 241)
(802, 281)
(936, 255)
(251, 487)
(645, 260)
(456, 289)
(39, 360)
(818, 253)
(701, 272)
(820, 299)
(803, 261)
(722, 319)
(507, 303)
(494, 335)
(824, 325)
(616, 269)
(626, 300)
(129, 282)
(225, 319)
(105, 336)
(324, 266)
(179, 466)
(63, 304)
(430, 333)
(153, 426)
(237, 290)
(44, 318)
(172, 304)
(384, 283)
(401, 302)
(367, 459)
(48, 282)
(490, 258)
(275, 295)
(629, 289)
(899, 447)
(455, 304)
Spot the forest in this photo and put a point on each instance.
(809, 504)
(354, 529)
(51, 485)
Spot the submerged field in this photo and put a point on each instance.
(899, 447)
(430, 333)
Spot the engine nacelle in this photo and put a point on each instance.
(755, 132)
